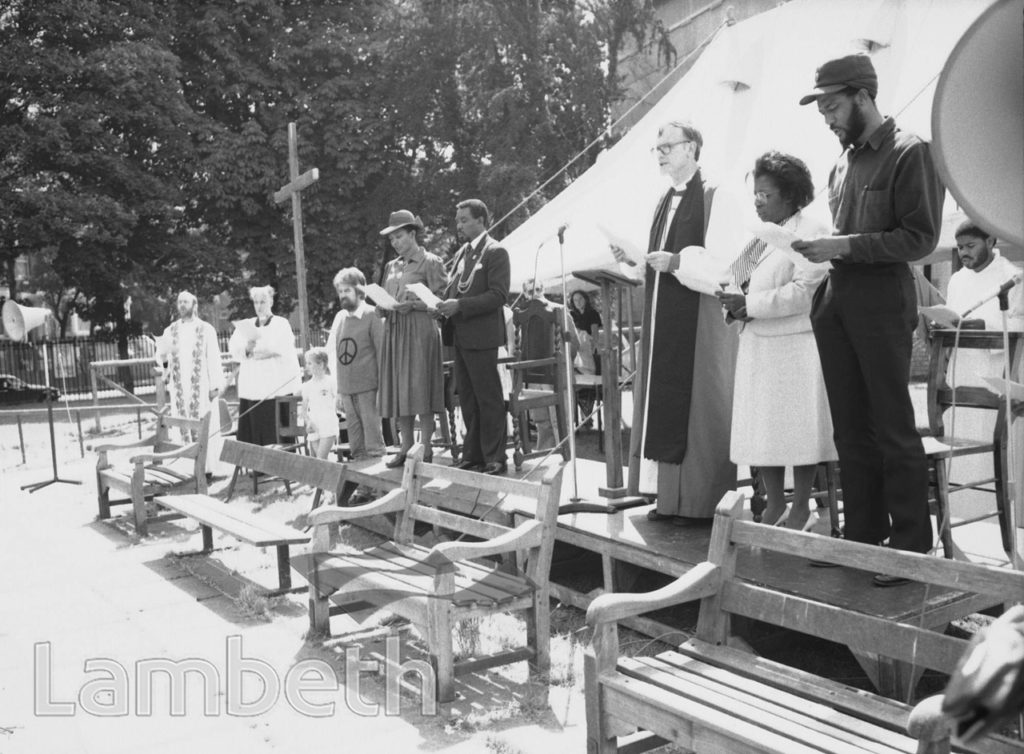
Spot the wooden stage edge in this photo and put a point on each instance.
(627, 537)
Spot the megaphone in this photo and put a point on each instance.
(19, 320)
(977, 112)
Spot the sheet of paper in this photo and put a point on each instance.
(940, 314)
(774, 235)
(779, 238)
(634, 255)
(380, 297)
(999, 388)
(247, 328)
(702, 271)
(424, 294)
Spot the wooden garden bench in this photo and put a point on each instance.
(436, 587)
(253, 528)
(168, 467)
(710, 695)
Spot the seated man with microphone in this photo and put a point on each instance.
(984, 271)
(973, 292)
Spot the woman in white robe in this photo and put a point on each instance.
(268, 367)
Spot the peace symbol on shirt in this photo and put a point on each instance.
(347, 350)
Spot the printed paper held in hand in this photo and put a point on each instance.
(424, 294)
(940, 314)
(779, 238)
(247, 328)
(702, 270)
(634, 256)
(380, 297)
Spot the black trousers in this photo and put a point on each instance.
(863, 319)
(482, 403)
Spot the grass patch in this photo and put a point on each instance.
(253, 604)
(467, 638)
(498, 746)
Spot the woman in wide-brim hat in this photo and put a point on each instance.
(411, 374)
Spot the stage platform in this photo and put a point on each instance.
(628, 537)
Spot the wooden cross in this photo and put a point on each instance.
(292, 189)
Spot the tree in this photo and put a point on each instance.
(250, 70)
(495, 98)
(141, 140)
(98, 148)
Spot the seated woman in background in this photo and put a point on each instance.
(780, 414)
(268, 367)
(587, 322)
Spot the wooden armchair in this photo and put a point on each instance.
(538, 377)
(712, 694)
(941, 447)
(437, 587)
(169, 467)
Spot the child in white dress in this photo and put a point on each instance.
(319, 400)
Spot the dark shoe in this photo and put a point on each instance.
(691, 521)
(494, 468)
(822, 564)
(428, 456)
(882, 579)
(468, 465)
(398, 459)
(655, 516)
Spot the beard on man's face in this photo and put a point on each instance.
(348, 304)
(855, 126)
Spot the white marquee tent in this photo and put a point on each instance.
(743, 94)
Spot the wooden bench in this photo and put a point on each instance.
(437, 587)
(710, 696)
(286, 465)
(254, 528)
(151, 473)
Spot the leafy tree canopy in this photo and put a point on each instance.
(141, 141)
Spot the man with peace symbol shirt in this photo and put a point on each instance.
(354, 347)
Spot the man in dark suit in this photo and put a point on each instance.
(476, 327)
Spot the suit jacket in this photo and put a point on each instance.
(780, 292)
(479, 323)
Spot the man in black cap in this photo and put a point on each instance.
(886, 203)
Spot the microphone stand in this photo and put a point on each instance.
(36, 486)
(1003, 294)
(570, 394)
(1011, 456)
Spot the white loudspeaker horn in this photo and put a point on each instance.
(977, 118)
(19, 320)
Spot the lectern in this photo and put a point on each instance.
(612, 283)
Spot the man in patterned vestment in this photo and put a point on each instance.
(190, 354)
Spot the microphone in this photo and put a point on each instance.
(560, 233)
(1005, 287)
(1003, 290)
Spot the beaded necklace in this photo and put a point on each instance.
(465, 283)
